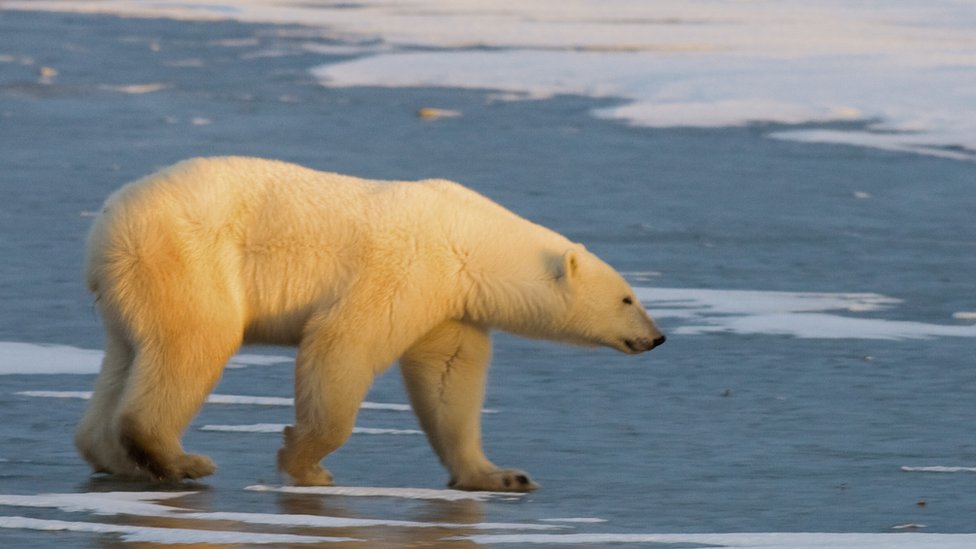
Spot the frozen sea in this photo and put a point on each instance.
(791, 186)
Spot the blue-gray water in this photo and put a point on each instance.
(721, 432)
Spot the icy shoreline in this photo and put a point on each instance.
(903, 71)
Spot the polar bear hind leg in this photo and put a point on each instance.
(184, 325)
(167, 385)
(444, 373)
(94, 437)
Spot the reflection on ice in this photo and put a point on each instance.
(238, 527)
(404, 493)
(153, 534)
(279, 427)
(143, 504)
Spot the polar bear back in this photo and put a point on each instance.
(285, 240)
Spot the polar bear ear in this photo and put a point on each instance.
(568, 266)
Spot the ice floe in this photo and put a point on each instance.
(578, 520)
(99, 503)
(45, 358)
(797, 314)
(905, 71)
(763, 540)
(227, 399)
(137, 89)
(40, 358)
(938, 469)
(152, 534)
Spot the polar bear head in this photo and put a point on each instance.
(558, 291)
(601, 308)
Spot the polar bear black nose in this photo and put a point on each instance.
(643, 344)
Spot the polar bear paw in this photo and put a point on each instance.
(313, 475)
(191, 466)
(497, 480)
(297, 467)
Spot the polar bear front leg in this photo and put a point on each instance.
(444, 373)
(330, 385)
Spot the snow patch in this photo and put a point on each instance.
(938, 469)
(226, 399)
(762, 540)
(137, 89)
(44, 358)
(150, 534)
(40, 358)
(797, 314)
(578, 520)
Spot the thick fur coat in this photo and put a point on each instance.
(191, 262)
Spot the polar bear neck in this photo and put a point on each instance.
(508, 269)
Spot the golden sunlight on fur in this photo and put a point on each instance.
(191, 262)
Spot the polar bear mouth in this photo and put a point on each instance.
(643, 344)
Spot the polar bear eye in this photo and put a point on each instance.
(628, 301)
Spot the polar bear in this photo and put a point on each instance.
(190, 262)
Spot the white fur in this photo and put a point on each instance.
(191, 262)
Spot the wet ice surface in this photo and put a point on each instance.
(817, 375)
